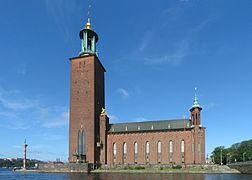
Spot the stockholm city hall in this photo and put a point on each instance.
(92, 139)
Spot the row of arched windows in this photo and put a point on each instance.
(147, 151)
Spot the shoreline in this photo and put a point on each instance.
(220, 170)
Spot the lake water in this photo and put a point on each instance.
(7, 174)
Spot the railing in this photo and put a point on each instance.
(240, 163)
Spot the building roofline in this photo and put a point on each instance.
(77, 57)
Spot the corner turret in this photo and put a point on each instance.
(195, 111)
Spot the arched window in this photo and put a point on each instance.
(114, 152)
(199, 152)
(182, 146)
(79, 143)
(124, 151)
(83, 150)
(147, 151)
(135, 151)
(170, 150)
(159, 151)
(159, 147)
(183, 151)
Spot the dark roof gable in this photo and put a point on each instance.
(150, 126)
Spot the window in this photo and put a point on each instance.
(170, 150)
(159, 151)
(114, 152)
(183, 151)
(135, 152)
(83, 151)
(199, 156)
(182, 146)
(147, 151)
(81, 145)
(124, 151)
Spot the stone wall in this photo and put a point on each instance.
(68, 167)
(243, 167)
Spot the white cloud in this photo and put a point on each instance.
(123, 92)
(146, 39)
(17, 146)
(60, 121)
(210, 105)
(140, 119)
(173, 58)
(50, 137)
(113, 118)
(180, 51)
(14, 124)
(19, 112)
(22, 69)
(61, 11)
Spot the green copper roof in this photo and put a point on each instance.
(150, 126)
(196, 102)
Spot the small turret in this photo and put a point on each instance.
(195, 110)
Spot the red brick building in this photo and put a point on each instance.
(92, 139)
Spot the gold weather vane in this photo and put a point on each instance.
(88, 24)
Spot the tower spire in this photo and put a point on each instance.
(88, 37)
(196, 102)
(88, 24)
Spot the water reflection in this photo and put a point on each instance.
(8, 174)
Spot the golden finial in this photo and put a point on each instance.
(88, 25)
(103, 112)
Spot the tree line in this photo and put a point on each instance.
(238, 152)
(6, 163)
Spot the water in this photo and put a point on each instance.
(7, 174)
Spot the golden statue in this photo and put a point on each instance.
(103, 112)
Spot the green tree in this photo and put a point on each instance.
(236, 153)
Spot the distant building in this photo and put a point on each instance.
(93, 139)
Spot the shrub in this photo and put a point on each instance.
(177, 167)
(139, 168)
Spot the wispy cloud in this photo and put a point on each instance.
(19, 112)
(22, 70)
(113, 118)
(50, 136)
(61, 12)
(123, 92)
(140, 119)
(210, 106)
(181, 48)
(14, 124)
(146, 40)
(172, 58)
(60, 121)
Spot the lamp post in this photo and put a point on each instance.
(24, 160)
(221, 157)
(227, 162)
(243, 156)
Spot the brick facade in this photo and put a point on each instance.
(92, 139)
(86, 102)
(192, 155)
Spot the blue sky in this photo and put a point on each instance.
(155, 53)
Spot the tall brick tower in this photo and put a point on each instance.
(198, 133)
(86, 100)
